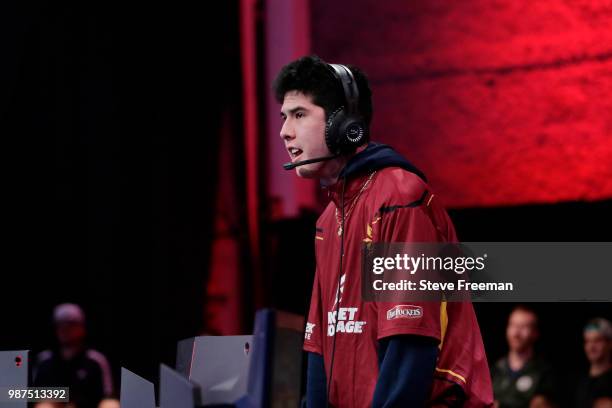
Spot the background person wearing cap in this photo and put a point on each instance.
(597, 385)
(71, 364)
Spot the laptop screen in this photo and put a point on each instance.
(14, 366)
(136, 392)
(219, 365)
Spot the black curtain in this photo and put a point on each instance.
(111, 116)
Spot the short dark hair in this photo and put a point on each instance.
(312, 76)
(526, 309)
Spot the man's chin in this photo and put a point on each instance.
(312, 170)
(520, 347)
(305, 173)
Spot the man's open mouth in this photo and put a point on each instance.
(294, 152)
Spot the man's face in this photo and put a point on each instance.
(596, 346)
(522, 331)
(303, 132)
(70, 333)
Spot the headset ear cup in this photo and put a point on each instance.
(343, 134)
(333, 136)
(354, 133)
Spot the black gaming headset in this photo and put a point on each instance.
(345, 129)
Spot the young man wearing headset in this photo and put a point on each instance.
(359, 354)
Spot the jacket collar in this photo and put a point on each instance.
(376, 156)
(352, 187)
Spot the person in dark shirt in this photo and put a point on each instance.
(521, 378)
(597, 385)
(71, 364)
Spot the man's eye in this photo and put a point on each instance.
(299, 115)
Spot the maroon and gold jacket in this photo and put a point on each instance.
(386, 200)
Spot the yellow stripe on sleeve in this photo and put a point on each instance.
(454, 374)
(443, 322)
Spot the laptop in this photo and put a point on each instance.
(219, 365)
(176, 391)
(275, 371)
(136, 392)
(14, 373)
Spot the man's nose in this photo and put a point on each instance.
(287, 132)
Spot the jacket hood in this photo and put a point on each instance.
(375, 157)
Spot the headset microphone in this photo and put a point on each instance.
(290, 166)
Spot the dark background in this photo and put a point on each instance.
(111, 117)
(111, 121)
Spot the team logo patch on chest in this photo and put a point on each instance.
(345, 321)
(405, 312)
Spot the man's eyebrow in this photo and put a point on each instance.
(293, 110)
